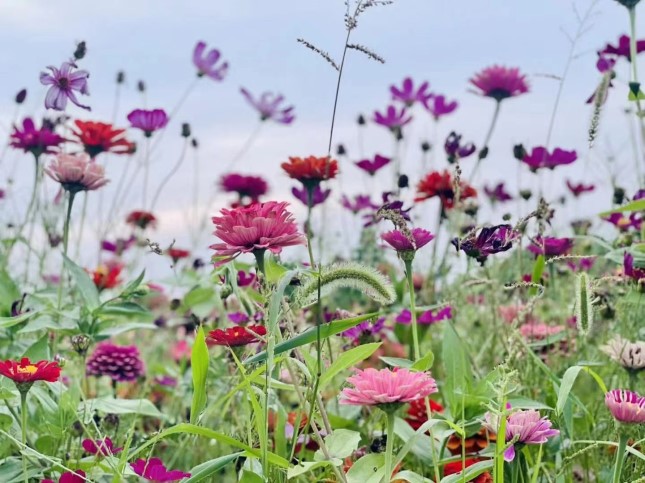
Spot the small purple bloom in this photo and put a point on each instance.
(392, 119)
(395, 206)
(148, 121)
(624, 222)
(319, 195)
(245, 279)
(155, 471)
(454, 149)
(166, 380)
(207, 64)
(498, 194)
(577, 189)
(238, 318)
(438, 107)
(417, 238)
(428, 317)
(268, 105)
(527, 426)
(35, 141)
(119, 245)
(372, 166)
(636, 274)
(365, 331)
(581, 265)
(491, 240)
(604, 63)
(100, 447)
(640, 194)
(622, 49)
(64, 82)
(409, 95)
(541, 158)
(120, 363)
(551, 246)
(359, 203)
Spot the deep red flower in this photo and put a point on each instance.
(25, 373)
(177, 254)
(441, 185)
(107, 275)
(417, 414)
(99, 137)
(236, 336)
(141, 219)
(311, 170)
(455, 467)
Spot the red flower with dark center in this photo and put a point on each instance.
(177, 254)
(441, 185)
(99, 137)
(236, 336)
(141, 219)
(107, 276)
(27, 372)
(311, 170)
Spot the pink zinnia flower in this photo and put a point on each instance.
(373, 387)
(418, 237)
(500, 82)
(101, 447)
(77, 172)
(245, 186)
(206, 64)
(256, 228)
(626, 406)
(410, 95)
(148, 121)
(541, 158)
(392, 119)
(372, 166)
(527, 425)
(439, 107)
(155, 471)
(268, 105)
(63, 83)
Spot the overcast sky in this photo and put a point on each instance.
(441, 41)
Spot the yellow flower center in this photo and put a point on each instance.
(30, 369)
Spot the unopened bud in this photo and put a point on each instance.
(21, 96)
(185, 130)
(81, 50)
(80, 344)
(141, 86)
(120, 77)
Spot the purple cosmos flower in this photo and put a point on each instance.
(541, 158)
(35, 141)
(498, 194)
(491, 240)
(500, 82)
(425, 318)
(119, 245)
(245, 186)
(393, 119)
(604, 63)
(245, 279)
(238, 318)
(640, 194)
(626, 406)
(624, 222)
(454, 149)
(268, 105)
(154, 470)
(551, 246)
(417, 238)
(64, 82)
(100, 447)
(579, 188)
(438, 107)
(582, 264)
(527, 426)
(636, 274)
(365, 331)
(319, 196)
(373, 166)
(622, 49)
(206, 64)
(359, 203)
(395, 206)
(409, 95)
(148, 121)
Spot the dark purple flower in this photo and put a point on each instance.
(207, 64)
(245, 186)
(166, 380)
(417, 238)
(581, 265)
(318, 197)
(100, 447)
(604, 63)
(63, 83)
(622, 49)
(365, 331)
(392, 119)
(624, 222)
(372, 166)
(409, 95)
(119, 245)
(120, 363)
(268, 105)
(491, 240)
(551, 246)
(579, 188)
(155, 471)
(395, 206)
(35, 141)
(498, 194)
(629, 270)
(427, 317)
(640, 194)
(238, 318)
(454, 149)
(438, 107)
(148, 121)
(541, 158)
(359, 203)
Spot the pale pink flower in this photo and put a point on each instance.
(373, 387)
(77, 172)
(626, 406)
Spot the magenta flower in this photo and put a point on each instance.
(626, 406)
(268, 105)
(393, 119)
(455, 150)
(100, 447)
(148, 121)
(373, 387)
(372, 166)
(245, 279)
(76, 172)
(629, 270)
(35, 141)
(582, 264)
(438, 107)
(577, 189)
(624, 222)
(119, 363)
(500, 82)
(245, 186)
(254, 229)
(402, 242)
(76, 476)
(319, 196)
(551, 246)
(365, 331)
(491, 240)
(64, 82)
(409, 95)
(155, 471)
(541, 158)
(498, 194)
(427, 317)
(119, 245)
(359, 203)
(622, 49)
(207, 64)
(527, 426)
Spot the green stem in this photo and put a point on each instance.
(620, 458)
(23, 416)
(413, 312)
(389, 446)
(70, 203)
(501, 444)
(31, 210)
(484, 150)
(633, 53)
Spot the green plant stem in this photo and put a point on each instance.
(70, 203)
(499, 450)
(633, 53)
(389, 446)
(23, 427)
(620, 457)
(30, 211)
(489, 135)
(416, 351)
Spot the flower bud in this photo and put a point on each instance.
(80, 344)
(21, 96)
(81, 50)
(361, 120)
(141, 86)
(425, 146)
(120, 77)
(185, 130)
(519, 152)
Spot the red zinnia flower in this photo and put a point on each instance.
(417, 412)
(236, 336)
(141, 219)
(177, 254)
(107, 276)
(99, 137)
(441, 185)
(311, 170)
(455, 467)
(25, 373)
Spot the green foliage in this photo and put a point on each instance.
(199, 365)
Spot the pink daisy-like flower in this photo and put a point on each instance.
(626, 406)
(540, 158)
(77, 172)
(375, 387)
(439, 107)
(33, 140)
(207, 64)
(401, 243)
(269, 107)
(155, 471)
(410, 95)
(64, 82)
(255, 228)
(372, 166)
(528, 426)
(500, 82)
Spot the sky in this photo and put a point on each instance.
(441, 41)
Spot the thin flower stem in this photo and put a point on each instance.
(389, 446)
(245, 147)
(489, 135)
(416, 351)
(170, 174)
(30, 211)
(79, 239)
(61, 282)
(499, 452)
(146, 173)
(633, 53)
(23, 427)
(620, 457)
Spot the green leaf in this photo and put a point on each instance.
(143, 407)
(6, 322)
(425, 363)
(469, 473)
(305, 467)
(9, 292)
(199, 366)
(348, 359)
(525, 403)
(397, 362)
(340, 444)
(568, 380)
(39, 351)
(309, 336)
(411, 477)
(84, 283)
(133, 285)
(110, 330)
(124, 309)
(250, 477)
(638, 205)
(368, 469)
(536, 275)
(273, 270)
(209, 468)
(6, 422)
(633, 97)
(458, 371)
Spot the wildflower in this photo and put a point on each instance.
(579, 188)
(251, 187)
(456, 467)
(541, 158)
(550, 246)
(21, 96)
(25, 373)
(386, 387)
(311, 170)
(237, 336)
(636, 274)
(268, 105)
(624, 222)
(148, 121)
(359, 203)
(472, 444)
(500, 82)
(389, 209)
(318, 195)
(119, 363)
(76, 172)
(417, 414)
(155, 471)
(100, 447)
(408, 95)
(238, 318)
(165, 380)
(372, 166)
(491, 240)
(427, 317)
(106, 276)
(626, 406)
(118, 246)
(581, 265)
(498, 193)
(622, 49)
(406, 243)
(99, 137)
(35, 141)
(393, 119)
(439, 107)
(245, 279)
(64, 82)
(141, 219)
(207, 64)
(455, 150)
(440, 184)
(365, 331)
(537, 331)
(630, 355)
(177, 254)
(76, 476)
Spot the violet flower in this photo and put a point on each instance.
(358, 203)
(550, 246)
(629, 270)
(491, 240)
(35, 141)
(427, 317)
(438, 107)
(624, 222)
(207, 64)
(154, 470)
(268, 106)
(393, 119)
(407, 242)
(541, 158)
(395, 206)
(577, 189)
(622, 49)
(455, 150)
(64, 82)
(365, 331)
(500, 82)
(119, 245)
(319, 196)
(498, 194)
(100, 447)
(372, 166)
(410, 95)
(148, 121)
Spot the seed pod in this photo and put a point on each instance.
(584, 308)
